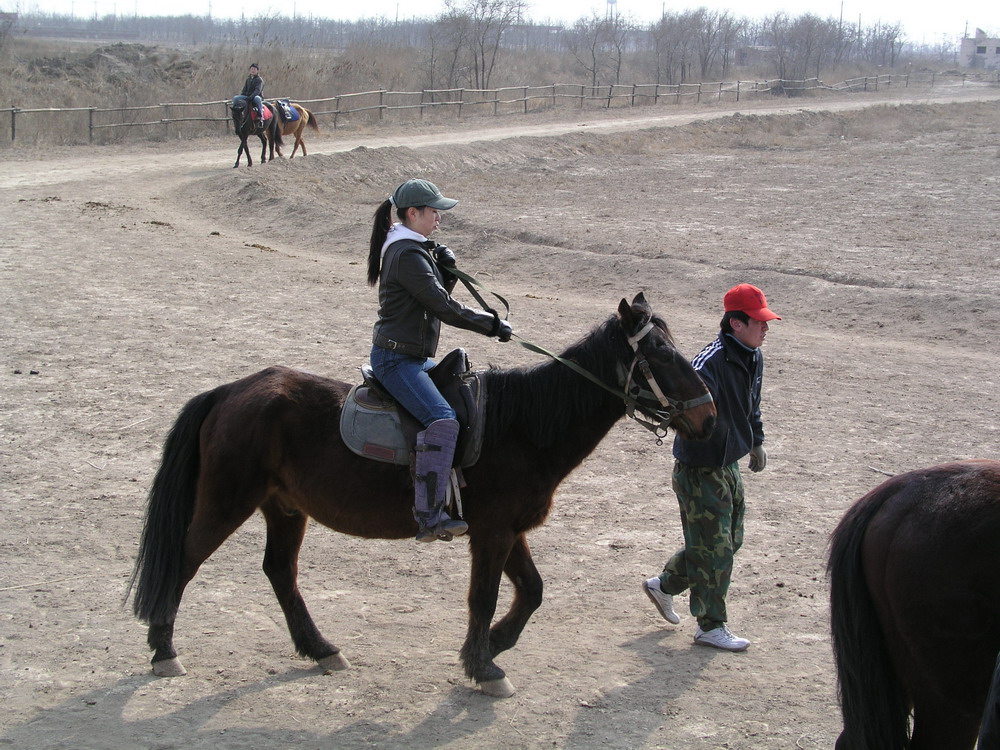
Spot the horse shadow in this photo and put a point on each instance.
(99, 720)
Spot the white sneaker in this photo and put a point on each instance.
(663, 601)
(720, 638)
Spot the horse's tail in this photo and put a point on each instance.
(312, 120)
(158, 568)
(874, 707)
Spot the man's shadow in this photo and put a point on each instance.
(647, 700)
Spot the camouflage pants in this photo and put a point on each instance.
(712, 510)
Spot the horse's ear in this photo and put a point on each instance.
(635, 315)
(625, 313)
(641, 310)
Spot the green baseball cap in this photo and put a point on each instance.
(414, 193)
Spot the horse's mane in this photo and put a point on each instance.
(544, 399)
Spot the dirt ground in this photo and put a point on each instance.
(134, 277)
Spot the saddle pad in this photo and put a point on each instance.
(288, 112)
(371, 430)
(370, 427)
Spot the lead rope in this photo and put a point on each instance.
(671, 408)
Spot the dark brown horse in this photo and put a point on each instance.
(271, 442)
(245, 125)
(915, 608)
(294, 128)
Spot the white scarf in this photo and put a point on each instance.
(399, 232)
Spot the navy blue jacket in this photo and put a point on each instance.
(733, 373)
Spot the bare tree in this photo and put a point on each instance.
(585, 41)
(487, 21)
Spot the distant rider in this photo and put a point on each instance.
(253, 90)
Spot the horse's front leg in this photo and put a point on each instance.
(489, 556)
(285, 532)
(239, 152)
(521, 571)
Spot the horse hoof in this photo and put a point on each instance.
(169, 668)
(334, 663)
(497, 688)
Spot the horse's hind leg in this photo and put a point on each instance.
(207, 531)
(285, 532)
(521, 571)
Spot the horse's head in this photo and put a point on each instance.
(240, 109)
(662, 384)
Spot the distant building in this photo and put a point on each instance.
(981, 52)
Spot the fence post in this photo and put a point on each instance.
(553, 96)
(381, 104)
(229, 120)
(525, 92)
(633, 94)
(336, 111)
(13, 123)
(90, 125)
(737, 91)
(581, 96)
(720, 90)
(461, 101)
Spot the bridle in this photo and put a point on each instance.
(671, 407)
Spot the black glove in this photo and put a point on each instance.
(444, 256)
(504, 331)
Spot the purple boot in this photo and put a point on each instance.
(432, 484)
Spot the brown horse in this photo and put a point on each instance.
(245, 125)
(271, 442)
(294, 127)
(915, 608)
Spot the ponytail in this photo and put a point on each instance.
(380, 229)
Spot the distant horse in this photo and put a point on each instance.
(915, 608)
(294, 127)
(244, 125)
(271, 442)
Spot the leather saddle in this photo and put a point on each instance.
(373, 425)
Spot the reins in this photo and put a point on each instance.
(655, 420)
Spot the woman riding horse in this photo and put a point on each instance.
(414, 294)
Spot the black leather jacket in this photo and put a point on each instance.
(414, 299)
(254, 86)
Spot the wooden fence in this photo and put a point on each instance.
(158, 118)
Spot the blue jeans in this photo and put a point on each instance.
(406, 379)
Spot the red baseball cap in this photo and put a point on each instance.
(748, 299)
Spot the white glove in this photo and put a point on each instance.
(758, 458)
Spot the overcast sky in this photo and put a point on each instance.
(928, 21)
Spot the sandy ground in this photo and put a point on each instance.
(133, 278)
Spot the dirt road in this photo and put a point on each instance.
(136, 277)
